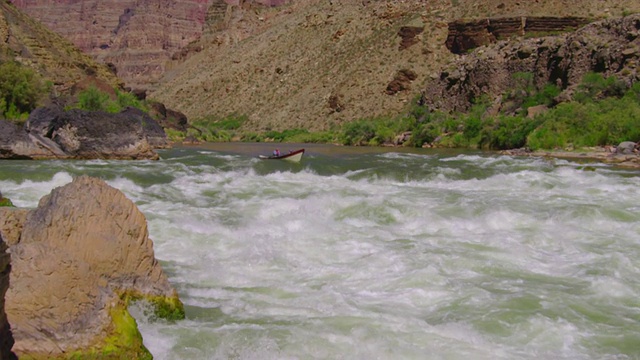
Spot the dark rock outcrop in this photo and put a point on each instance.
(51, 133)
(6, 337)
(409, 36)
(610, 47)
(168, 118)
(85, 251)
(466, 35)
(401, 81)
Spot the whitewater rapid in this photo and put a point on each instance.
(381, 255)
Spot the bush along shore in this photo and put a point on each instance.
(601, 114)
(591, 121)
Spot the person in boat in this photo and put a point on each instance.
(276, 152)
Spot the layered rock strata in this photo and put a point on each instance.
(55, 58)
(610, 47)
(137, 37)
(85, 252)
(466, 35)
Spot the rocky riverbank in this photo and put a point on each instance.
(52, 133)
(627, 154)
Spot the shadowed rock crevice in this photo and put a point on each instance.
(6, 337)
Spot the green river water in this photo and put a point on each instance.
(378, 253)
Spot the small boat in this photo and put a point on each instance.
(293, 156)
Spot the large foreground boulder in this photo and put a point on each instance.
(6, 339)
(83, 254)
(52, 133)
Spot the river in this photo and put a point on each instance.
(379, 253)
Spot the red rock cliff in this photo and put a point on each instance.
(137, 36)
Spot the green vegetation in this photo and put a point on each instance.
(93, 99)
(170, 309)
(21, 89)
(603, 111)
(5, 202)
(167, 308)
(215, 129)
(591, 123)
(125, 341)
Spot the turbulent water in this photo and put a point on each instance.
(380, 253)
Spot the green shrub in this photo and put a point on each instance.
(127, 99)
(252, 137)
(593, 123)
(524, 93)
(359, 132)
(286, 135)
(175, 135)
(214, 129)
(93, 99)
(507, 132)
(428, 129)
(594, 87)
(20, 90)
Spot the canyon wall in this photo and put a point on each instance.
(609, 47)
(137, 37)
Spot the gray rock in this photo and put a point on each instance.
(51, 133)
(626, 147)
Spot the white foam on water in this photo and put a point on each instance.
(28, 193)
(474, 257)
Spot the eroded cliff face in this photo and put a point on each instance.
(311, 64)
(465, 35)
(138, 37)
(610, 47)
(51, 55)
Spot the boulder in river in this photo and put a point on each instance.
(80, 258)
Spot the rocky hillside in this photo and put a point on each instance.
(316, 64)
(29, 42)
(610, 47)
(301, 64)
